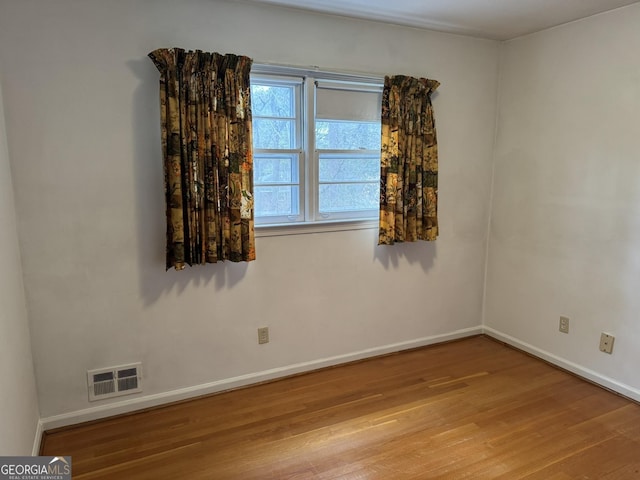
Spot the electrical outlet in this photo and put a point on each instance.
(263, 335)
(564, 324)
(606, 342)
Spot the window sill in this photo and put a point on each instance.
(314, 227)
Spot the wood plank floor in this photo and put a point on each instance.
(469, 409)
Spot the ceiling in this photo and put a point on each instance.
(495, 19)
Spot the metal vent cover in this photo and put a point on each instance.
(114, 381)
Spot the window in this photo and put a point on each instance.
(278, 156)
(316, 140)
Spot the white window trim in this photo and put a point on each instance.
(303, 228)
(266, 69)
(360, 81)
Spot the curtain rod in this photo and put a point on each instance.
(274, 68)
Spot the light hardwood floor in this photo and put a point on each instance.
(471, 409)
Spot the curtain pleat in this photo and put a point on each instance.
(205, 112)
(409, 162)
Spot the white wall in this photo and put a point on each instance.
(83, 127)
(565, 230)
(18, 399)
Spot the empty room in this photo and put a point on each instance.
(280, 239)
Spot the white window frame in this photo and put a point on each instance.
(309, 220)
(299, 148)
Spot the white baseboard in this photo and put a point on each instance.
(147, 401)
(595, 377)
(38, 439)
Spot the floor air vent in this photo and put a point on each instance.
(114, 381)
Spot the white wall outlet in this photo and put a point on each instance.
(564, 325)
(606, 342)
(263, 335)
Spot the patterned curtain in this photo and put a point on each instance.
(409, 162)
(205, 113)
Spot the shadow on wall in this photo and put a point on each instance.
(421, 252)
(154, 281)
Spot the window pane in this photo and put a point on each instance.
(270, 133)
(276, 201)
(349, 196)
(272, 101)
(334, 168)
(341, 135)
(275, 169)
(350, 104)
